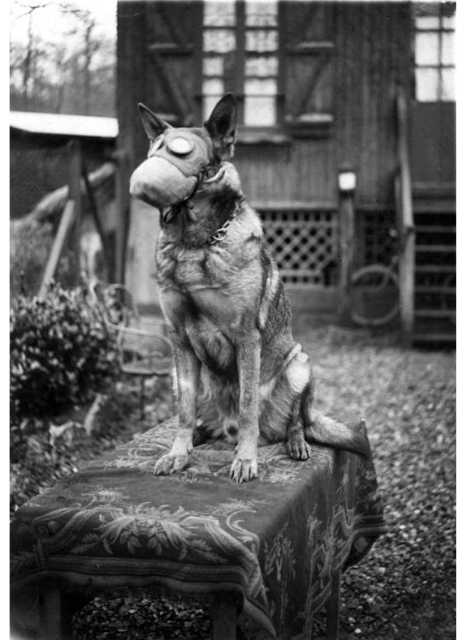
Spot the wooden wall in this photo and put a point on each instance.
(372, 54)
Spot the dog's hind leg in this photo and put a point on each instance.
(297, 446)
(298, 390)
(321, 429)
(187, 368)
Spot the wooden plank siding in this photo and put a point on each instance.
(337, 84)
(297, 171)
(373, 56)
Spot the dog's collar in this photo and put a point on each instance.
(218, 235)
(201, 177)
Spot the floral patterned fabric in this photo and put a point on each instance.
(275, 541)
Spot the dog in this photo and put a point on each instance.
(239, 371)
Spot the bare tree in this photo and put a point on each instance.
(76, 75)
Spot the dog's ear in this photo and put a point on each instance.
(222, 125)
(153, 125)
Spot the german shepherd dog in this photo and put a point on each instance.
(238, 369)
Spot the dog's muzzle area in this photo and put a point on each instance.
(174, 169)
(160, 183)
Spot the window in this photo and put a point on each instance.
(434, 52)
(240, 54)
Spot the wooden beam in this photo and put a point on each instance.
(97, 221)
(63, 232)
(404, 210)
(74, 194)
(347, 254)
(333, 608)
(123, 214)
(51, 610)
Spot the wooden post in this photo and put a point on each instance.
(74, 194)
(405, 224)
(333, 608)
(51, 614)
(60, 239)
(123, 213)
(132, 53)
(347, 253)
(97, 222)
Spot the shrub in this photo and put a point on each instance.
(30, 246)
(59, 352)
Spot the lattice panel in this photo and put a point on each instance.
(303, 244)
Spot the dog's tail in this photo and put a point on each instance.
(323, 430)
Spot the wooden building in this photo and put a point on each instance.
(324, 88)
(52, 155)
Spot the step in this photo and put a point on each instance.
(434, 189)
(435, 313)
(435, 289)
(434, 337)
(434, 268)
(441, 206)
(435, 248)
(434, 228)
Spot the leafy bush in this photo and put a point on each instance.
(59, 352)
(30, 245)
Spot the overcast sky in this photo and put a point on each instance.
(51, 24)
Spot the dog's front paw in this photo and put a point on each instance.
(243, 470)
(298, 448)
(170, 463)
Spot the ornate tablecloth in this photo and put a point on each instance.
(275, 541)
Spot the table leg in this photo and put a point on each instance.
(51, 614)
(224, 618)
(332, 609)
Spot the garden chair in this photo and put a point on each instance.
(144, 349)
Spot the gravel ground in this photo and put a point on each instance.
(405, 588)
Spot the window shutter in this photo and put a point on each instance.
(173, 32)
(307, 74)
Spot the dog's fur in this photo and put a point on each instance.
(238, 368)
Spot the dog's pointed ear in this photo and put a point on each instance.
(153, 125)
(222, 125)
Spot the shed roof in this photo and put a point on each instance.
(64, 125)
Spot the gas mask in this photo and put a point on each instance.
(176, 165)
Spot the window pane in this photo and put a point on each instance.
(448, 89)
(427, 85)
(258, 87)
(209, 102)
(261, 66)
(447, 48)
(213, 66)
(427, 48)
(219, 14)
(219, 40)
(449, 22)
(261, 14)
(260, 112)
(261, 41)
(213, 87)
(427, 22)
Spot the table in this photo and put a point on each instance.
(269, 553)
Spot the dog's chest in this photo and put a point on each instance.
(183, 269)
